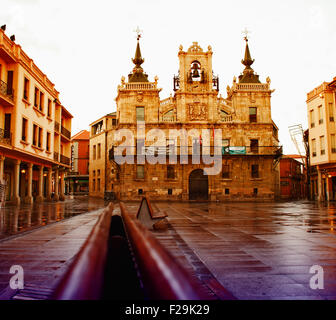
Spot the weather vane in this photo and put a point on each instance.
(138, 32)
(246, 33)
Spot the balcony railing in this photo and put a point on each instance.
(5, 136)
(65, 132)
(65, 160)
(6, 91)
(198, 150)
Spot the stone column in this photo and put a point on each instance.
(29, 197)
(39, 197)
(61, 194)
(49, 182)
(2, 168)
(327, 186)
(16, 188)
(56, 191)
(319, 185)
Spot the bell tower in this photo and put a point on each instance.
(138, 98)
(195, 87)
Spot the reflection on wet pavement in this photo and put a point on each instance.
(260, 250)
(14, 220)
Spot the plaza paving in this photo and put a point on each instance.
(254, 250)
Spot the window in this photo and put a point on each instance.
(98, 184)
(226, 172)
(320, 114)
(170, 172)
(333, 143)
(253, 114)
(24, 129)
(99, 151)
(140, 113)
(35, 135)
(94, 184)
(140, 191)
(170, 191)
(36, 97)
(41, 106)
(331, 112)
(322, 145)
(98, 172)
(40, 137)
(94, 173)
(227, 191)
(225, 142)
(26, 89)
(314, 147)
(48, 141)
(140, 172)
(49, 108)
(312, 119)
(255, 171)
(255, 191)
(94, 152)
(254, 144)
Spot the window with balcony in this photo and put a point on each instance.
(140, 172)
(254, 145)
(322, 145)
(24, 129)
(99, 151)
(255, 171)
(40, 137)
(253, 114)
(140, 113)
(35, 130)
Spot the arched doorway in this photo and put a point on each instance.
(198, 185)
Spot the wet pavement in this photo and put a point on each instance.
(259, 250)
(15, 220)
(254, 250)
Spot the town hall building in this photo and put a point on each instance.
(248, 150)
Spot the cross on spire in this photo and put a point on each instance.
(138, 32)
(246, 33)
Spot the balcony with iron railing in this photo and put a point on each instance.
(6, 94)
(65, 132)
(65, 160)
(275, 151)
(5, 137)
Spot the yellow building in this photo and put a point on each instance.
(35, 129)
(248, 148)
(322, 140)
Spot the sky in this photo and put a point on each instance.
(85, 47)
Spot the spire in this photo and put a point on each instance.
(138, 75)
(248, 75)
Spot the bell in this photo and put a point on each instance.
(195, 73)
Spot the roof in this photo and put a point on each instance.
(293, 156)
(81, 135)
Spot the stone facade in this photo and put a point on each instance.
(248, 147)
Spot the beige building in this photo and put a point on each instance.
(322, 140)
(99, 163)
(35, 129)
(249, 148)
